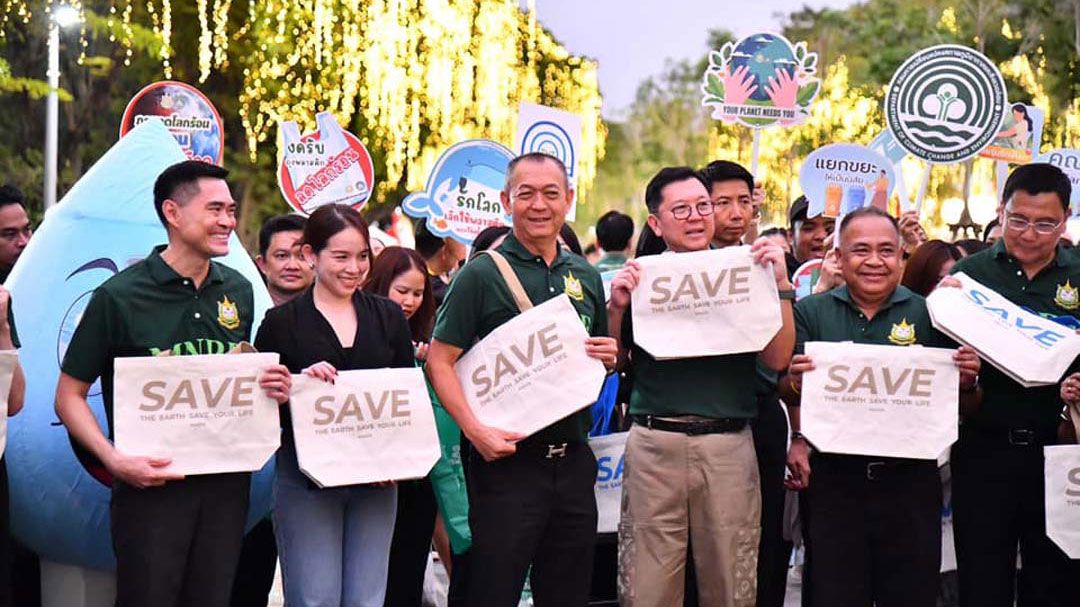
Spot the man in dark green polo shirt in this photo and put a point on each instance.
(531, 499)
(997, 465)
(691, 472)
(876, 521)
(177, 540)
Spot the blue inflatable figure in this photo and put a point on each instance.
(59, 502)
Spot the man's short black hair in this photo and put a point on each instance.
(10, 194)
(181, 180)
(666, 176)
(614, 231)
(989, 228)
(1036, 178)
(279, 223)
(428, 245)
(536, 157)
(867, 212)
(725, 170)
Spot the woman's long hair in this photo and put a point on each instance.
(393, 262)
(923, 269)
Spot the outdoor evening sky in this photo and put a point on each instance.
(631, 39)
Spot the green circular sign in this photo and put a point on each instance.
(945, 103)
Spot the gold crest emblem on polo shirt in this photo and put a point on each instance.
(902, 334)
(1067, 296)
(572, 287)
(227, 314)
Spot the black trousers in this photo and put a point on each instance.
(876, 532)
(178, 545)
(770, 430)
(255, 571)
(411, 545)
(527, 510)
(998, 505)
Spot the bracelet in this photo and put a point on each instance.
(795, 435)
(794, 388)
(788, 294)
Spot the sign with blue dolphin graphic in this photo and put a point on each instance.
(462, 193)
(106, 222)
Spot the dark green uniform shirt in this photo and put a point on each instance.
(1051, 294)
(833, 316)
(149, 308)
(479, 301)
(706, 386)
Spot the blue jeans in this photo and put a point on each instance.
(334, 543)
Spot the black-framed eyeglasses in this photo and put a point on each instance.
(683, 211)
(1043, 226)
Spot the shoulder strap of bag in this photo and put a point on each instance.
(511, 279)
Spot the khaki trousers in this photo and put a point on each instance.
(676, 488)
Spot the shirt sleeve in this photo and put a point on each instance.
(458, 320)
(267, 338)
(802, 328)
(400, 337)
(88, 353)
(599, 325)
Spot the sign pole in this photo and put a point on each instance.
(754, 153)
(922, 188)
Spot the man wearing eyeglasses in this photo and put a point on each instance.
(14, 228)
(997, 465)
(691, 473)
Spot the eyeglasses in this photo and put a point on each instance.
(1020, 224)
(683, 211)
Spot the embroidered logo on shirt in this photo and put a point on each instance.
(1067, 296)
(902, 334)
(227, 314)
(572, 287)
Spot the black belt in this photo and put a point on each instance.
(875, 469)
(1017, 437)
(723, 425)
(548, 450)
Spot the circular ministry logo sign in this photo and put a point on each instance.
(945, 103)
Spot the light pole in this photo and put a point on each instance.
(61, 16)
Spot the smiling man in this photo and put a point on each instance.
(531, 498)
(875, 535)
(691, 475)
(997, 465)
(177, 540)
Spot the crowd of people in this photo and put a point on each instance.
(714, 447)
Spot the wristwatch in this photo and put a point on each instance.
(788, 294)
(796, 434)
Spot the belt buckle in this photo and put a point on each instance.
(871, 474)
(1021, 437)
(556, 451)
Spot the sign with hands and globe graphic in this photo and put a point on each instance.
(945, 103)
(761, 80)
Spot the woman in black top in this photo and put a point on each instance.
(334, 542)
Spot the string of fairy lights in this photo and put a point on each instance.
(422, 74)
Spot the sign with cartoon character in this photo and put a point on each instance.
(553, 132)
(328, 166)
(760, 81)
(60, 494)
(945, 104)
(1068, 161)
(1018, 139)
(188, 114)
(841, 177)
(462, 193)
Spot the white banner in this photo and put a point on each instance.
(8, 360)
(1032, 350)
(1063, 497)
(368, 426)
(887, 401)
(705, 303)
(206, 412)
(532, 371)
(609, 451)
